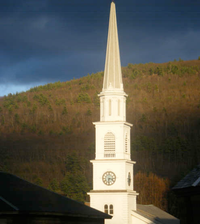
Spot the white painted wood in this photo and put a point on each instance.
(112, 71)
(112, 148)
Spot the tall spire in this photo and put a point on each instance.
(112, 72)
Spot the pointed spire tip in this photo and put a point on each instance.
(112, 71)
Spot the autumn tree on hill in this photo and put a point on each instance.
(152, 189)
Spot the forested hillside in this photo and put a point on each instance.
(47, 135)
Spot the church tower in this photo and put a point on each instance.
(112, 167)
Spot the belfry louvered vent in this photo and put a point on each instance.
(109, 145)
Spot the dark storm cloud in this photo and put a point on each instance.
(44, 41)
(39, 45)
(159, 31)
(45, 27)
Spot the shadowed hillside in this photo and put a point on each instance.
(42, 127)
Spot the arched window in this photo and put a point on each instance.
(106, 209)
(111, 209)
(126, 143)
(109, 145)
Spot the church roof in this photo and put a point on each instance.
(18, 195)
(192, 179)
(156, 215)
(112, 72)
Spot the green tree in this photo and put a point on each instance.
(64, 112)
(54, 185)
(74, 163)
(33, 128)
(17, 118)
(174, 69)
(83, 97)
(10, 108)
(89, 112)
(37, 180)
(141, 143)
(41, 99)
(34, 108)
(135, 73)
(159, 71)
(60, 102)
(67, 129)
(151, 71)
(75, 186)
(143, 118)
(50, 107)
(96, 100)
(176, 146)
(2, 120)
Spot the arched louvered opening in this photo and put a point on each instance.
(109, 145)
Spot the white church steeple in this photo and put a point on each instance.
(112, 97)
(112, 71)
(112, 167)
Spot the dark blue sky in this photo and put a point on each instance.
(44, 41)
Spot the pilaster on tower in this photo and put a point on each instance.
(112, 97)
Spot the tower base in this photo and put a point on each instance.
(119, 204)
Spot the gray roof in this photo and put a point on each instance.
(18, 195)
(192, 179)
(156, 215)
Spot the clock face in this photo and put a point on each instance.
(109, 178)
